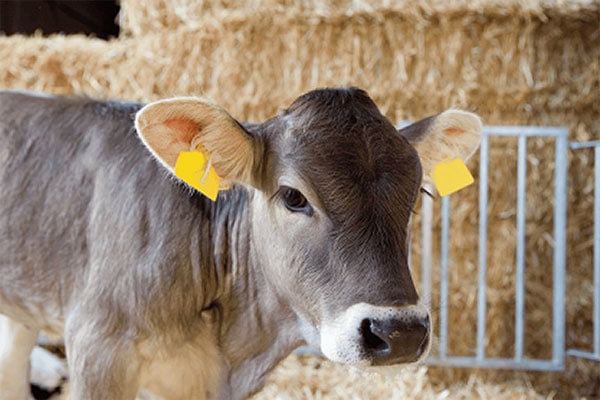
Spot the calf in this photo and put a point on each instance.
(152, 284)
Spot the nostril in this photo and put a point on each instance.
(426, 328)
(372, 339)
(426, 323)
(396, 340)
(423, 330)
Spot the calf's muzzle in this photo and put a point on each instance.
(365, 334)
(395, 340)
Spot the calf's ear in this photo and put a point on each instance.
(449, 135)
(168, 127)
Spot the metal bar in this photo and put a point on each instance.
(595, 355)
(528, 131)
(496, 363)
(560, 241)
(583, 354)
(482, 281)
(426, 244)
(444, 277)
(521, 220)
(584, 145)
(597, 250)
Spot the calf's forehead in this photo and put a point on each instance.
(350, 154)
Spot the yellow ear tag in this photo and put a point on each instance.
(451, 176)
(193, 167)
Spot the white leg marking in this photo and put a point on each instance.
(47, 370)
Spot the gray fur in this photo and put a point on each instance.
(99, 242)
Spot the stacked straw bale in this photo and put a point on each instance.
(533, 62)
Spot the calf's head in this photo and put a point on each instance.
(333, 185)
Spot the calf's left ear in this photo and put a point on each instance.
(446, 136)
(168, 127)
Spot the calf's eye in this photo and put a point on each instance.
(295, 201)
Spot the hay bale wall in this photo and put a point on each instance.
(514, 62)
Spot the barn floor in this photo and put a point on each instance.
(310, 377)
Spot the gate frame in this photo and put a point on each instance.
(518, 361)
(595, 354)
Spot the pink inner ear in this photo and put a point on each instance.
(453, 131)
(185, 130)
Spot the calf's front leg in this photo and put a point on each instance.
(16, 343)
(103, 361)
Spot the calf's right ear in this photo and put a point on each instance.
(446, 136)
(168, 127)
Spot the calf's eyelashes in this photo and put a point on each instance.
(295, 201)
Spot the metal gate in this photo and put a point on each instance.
(595, 353)
(440, 355)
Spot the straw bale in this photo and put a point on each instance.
(513, 62)
(138, 18)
